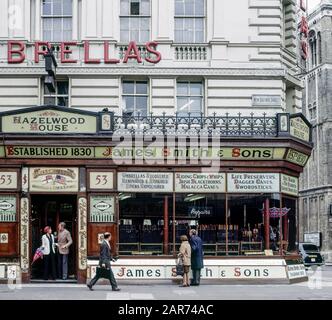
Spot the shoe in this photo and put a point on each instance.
(194, 284)
(116, 289)
(183, 285)
(89, 286)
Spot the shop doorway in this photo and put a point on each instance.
(49, 210)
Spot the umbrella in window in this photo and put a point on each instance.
(38, 254)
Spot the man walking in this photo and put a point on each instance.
(64, 242)
(196, 244)
(105, 270)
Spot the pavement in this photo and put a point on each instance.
(319, 287)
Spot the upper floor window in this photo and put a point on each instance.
(189, 21)
(312, 111)
(319, 48)
(189, 98)
(57, 20)
(135, 19)
(61, 95)
(135, 97)
(313, 48)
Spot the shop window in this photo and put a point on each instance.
(189, 98)
(189, 21)
(135, 98)
(246, 214)
(142, 223)
(203, 212)
(57, 20)
(289, 223)
(135, 19)
(61, 95)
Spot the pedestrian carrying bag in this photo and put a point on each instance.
(179, 267)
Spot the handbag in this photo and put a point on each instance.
(179, 267)
(103, 272)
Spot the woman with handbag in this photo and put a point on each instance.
(185, 255)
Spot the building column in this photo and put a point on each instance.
(24, 239)
(166, 225)
(267, 223)
(82, 239)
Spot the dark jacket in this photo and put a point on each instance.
(105, 255)
(196, 244)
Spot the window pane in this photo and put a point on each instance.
(124, 36)
(134, 36)
(124, 24)
(145, 36)
(134, 8)
(178, 36)
(124, 7)
(199, 24)
(47, 35)
(145, 23)
(67, 24)
(189, 6)
(199, 7)
(141, 87)
(63, 101)
(182, 89)
(183, 104)
(49, 100)
(134, 23)
(196, 106)
(196, 89)
(179, 7)
(128, 87)
(199, 36)
(142, 105)
(57, 7)
(188, 36)
(145, 7)
(47, 24)
(63, 87)
(189, 24)
(67, 7)
(47, 7)
(128, 103)
(179, 24)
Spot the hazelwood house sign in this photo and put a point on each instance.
(49, 121)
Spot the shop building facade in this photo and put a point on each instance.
(316, 196)
(166, 115)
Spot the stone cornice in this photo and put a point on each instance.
(116, 71)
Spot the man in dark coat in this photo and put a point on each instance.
(196, 244)
(105, 264)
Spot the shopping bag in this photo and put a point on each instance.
(179, 267)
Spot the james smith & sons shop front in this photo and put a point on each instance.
(148, 180)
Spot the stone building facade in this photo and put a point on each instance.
(316, 181)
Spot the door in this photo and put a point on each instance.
(49, 210)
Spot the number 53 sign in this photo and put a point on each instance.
(101, 180)
(8, 180)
